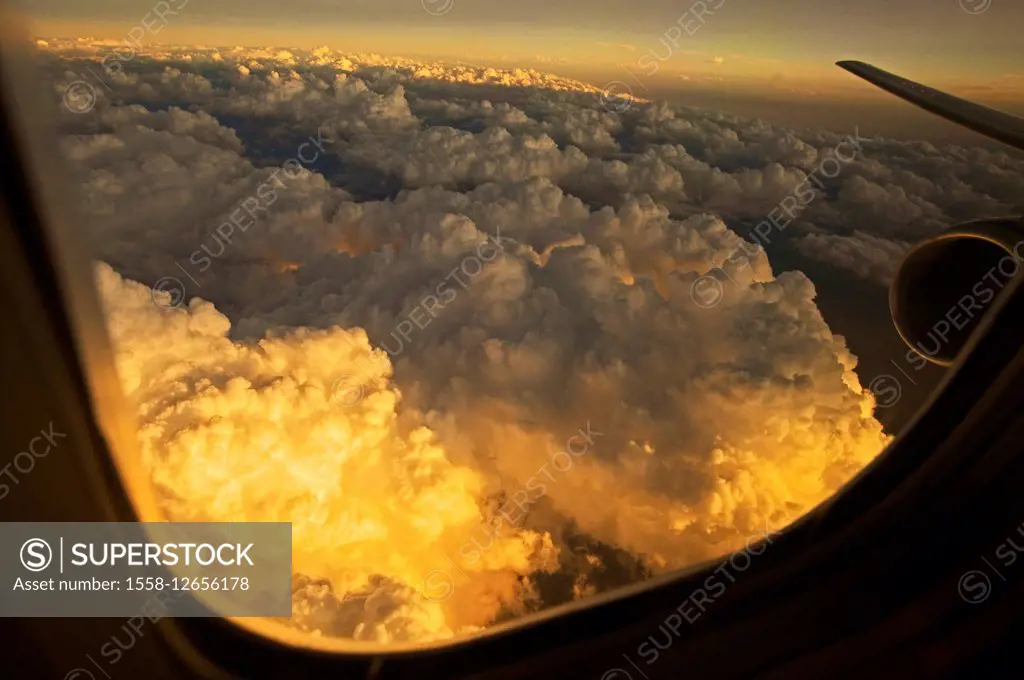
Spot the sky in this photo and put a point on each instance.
(786, 46)
(491, 340)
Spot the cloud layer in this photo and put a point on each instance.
(453, 321)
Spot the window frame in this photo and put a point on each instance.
(822, 596)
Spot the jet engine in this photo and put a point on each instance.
(947, 282)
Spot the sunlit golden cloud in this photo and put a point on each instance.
(750, 46)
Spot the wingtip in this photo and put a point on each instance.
(850, 64)
(997, 125)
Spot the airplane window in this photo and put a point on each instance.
(504, 319)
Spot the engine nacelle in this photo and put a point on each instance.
(947, 282)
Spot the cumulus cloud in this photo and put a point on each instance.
(454, 321)
(302, 427)
(870, 257)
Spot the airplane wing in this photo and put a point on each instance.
(989, 122)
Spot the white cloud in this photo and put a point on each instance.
(869, 257)
(715, 420)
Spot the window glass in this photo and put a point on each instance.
(504, 305)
